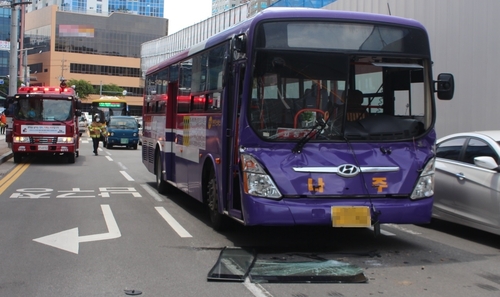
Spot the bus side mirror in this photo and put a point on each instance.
(78, 113)
(445, 86)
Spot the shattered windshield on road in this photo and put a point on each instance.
(236, 264)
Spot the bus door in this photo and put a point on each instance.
(170, 126)
(231, 178)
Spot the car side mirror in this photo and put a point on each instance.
(487, 162)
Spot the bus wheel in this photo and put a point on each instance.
(161, 185)
(216, 217)
(71, 158)
(17, 157)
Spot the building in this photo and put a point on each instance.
(462, 40)
(5, 23)
(464, 43)
(105, 7)
(96, 48)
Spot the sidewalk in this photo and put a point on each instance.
(5, 150)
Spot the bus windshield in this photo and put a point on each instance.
(346, 95)
(110, 106)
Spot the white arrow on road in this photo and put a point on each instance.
(69, 240)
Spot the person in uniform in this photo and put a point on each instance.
(96, 130)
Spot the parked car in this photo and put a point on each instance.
(82, 125)
(122, 131)
(467, 180)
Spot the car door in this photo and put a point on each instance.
(446, 196)
(471, 193)
(480, 191)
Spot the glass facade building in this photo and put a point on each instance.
(5, 14)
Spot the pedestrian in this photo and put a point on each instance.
(3, 123)
(96, 131)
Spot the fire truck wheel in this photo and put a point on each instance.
(17, 157)
(71, 158)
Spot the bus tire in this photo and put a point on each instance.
(134, 146)
(216, 218)
(161, 185)
(17, 157)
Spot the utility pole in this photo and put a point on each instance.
(13, 50)
(62, 68)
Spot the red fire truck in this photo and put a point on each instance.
(44, 121)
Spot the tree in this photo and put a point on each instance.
(112, 90)
(4, 88)
(83, 87)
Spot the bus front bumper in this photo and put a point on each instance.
(304, 211)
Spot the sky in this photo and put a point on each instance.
(184, 13)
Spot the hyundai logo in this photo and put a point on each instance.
(348, 170)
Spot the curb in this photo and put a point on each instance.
(5, 157)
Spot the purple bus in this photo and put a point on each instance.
(300, 117)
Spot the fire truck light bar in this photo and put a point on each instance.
(46, 90)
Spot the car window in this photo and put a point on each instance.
(123, 123)
(478, 148)
(450, 149)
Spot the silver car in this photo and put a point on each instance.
(467, 180)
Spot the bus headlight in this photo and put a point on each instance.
(21, 139)
(425, 184)
(65, 140)
(256, 181)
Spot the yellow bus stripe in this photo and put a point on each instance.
(12, 176)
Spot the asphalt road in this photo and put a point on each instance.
(98, 228)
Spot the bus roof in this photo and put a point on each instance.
(286, 13)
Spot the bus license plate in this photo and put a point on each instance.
(351, 216)
(43, 147)
(123, 140)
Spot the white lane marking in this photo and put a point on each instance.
(128, 177)
(69, 240)
(172, 222)
(256, 289)
(386, 233)
(109, 158)
(403, 229)
(122, 166)
(152, 192)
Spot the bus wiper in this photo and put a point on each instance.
(316, 130)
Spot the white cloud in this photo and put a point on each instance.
(184, 13)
